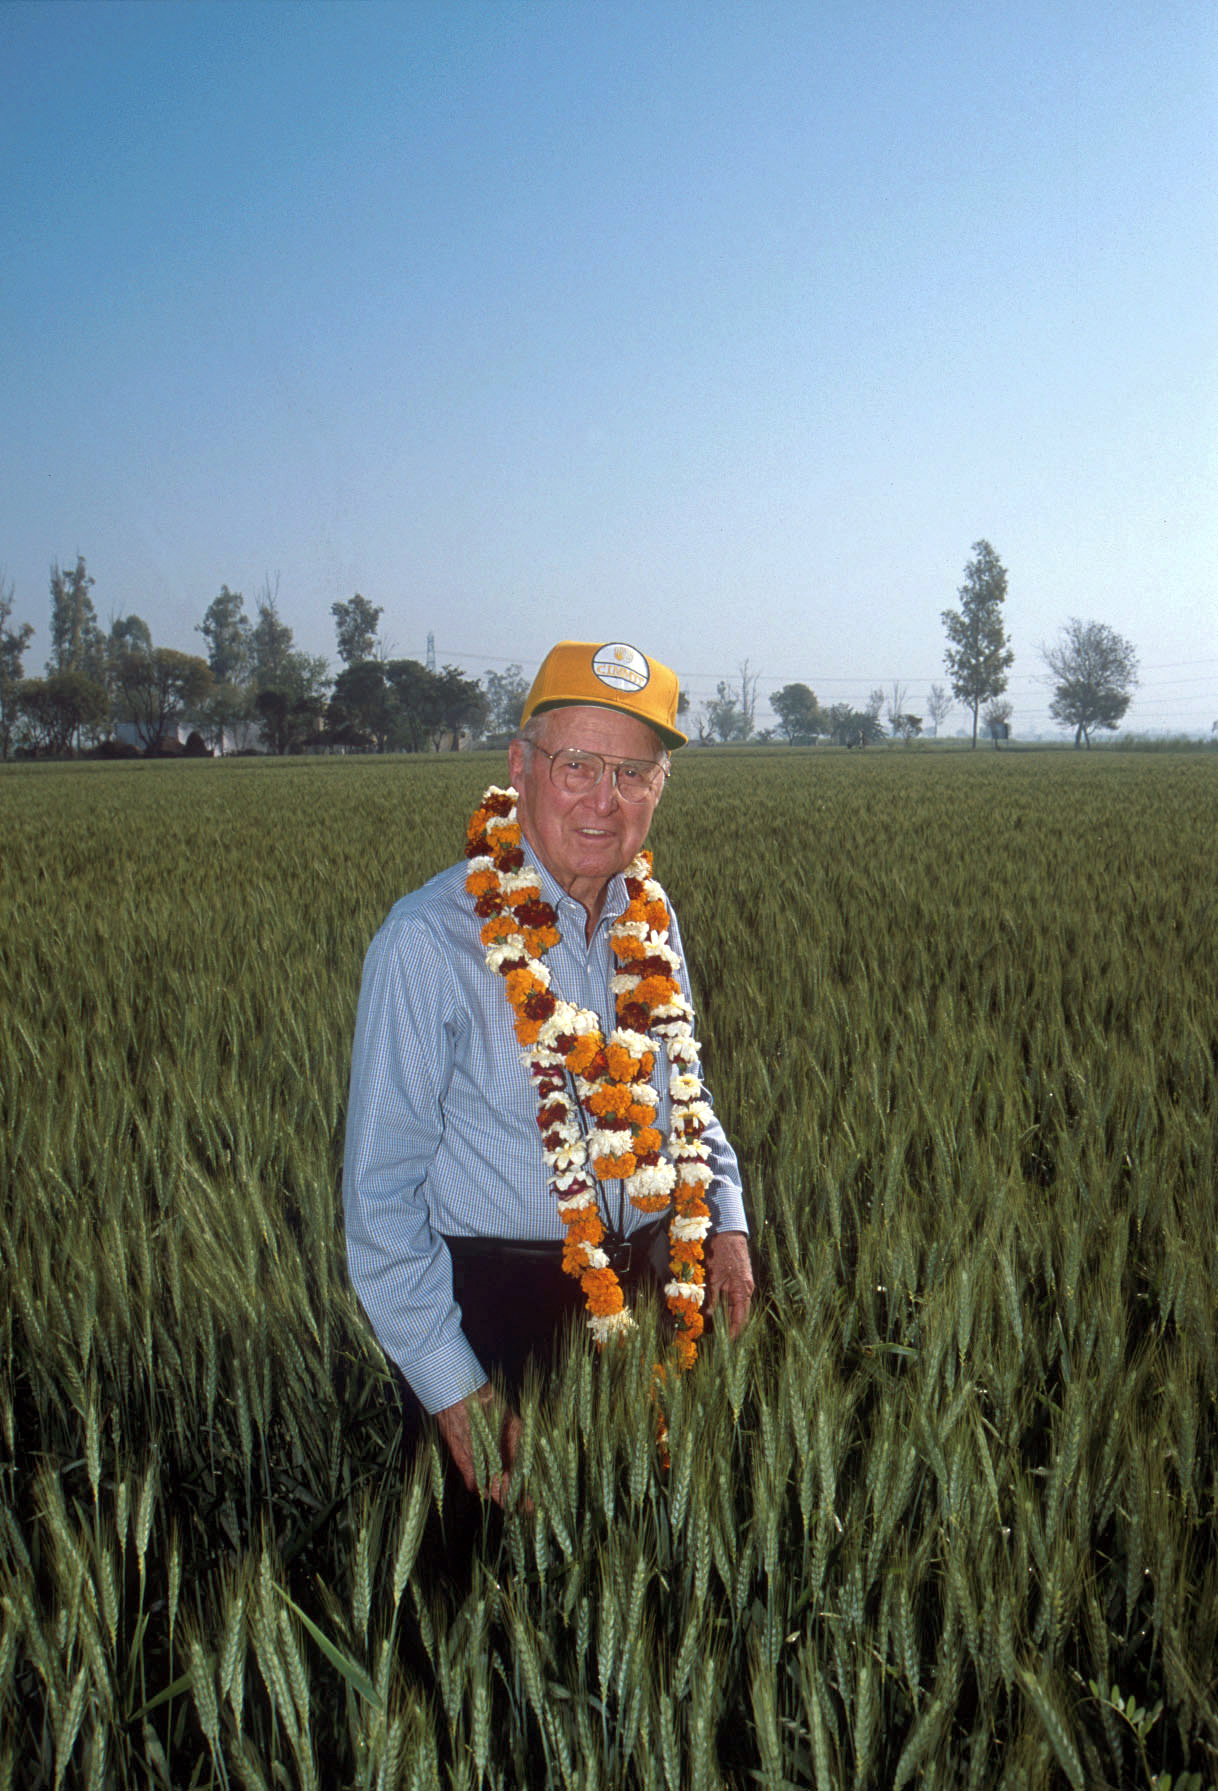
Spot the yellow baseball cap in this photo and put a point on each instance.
(611, 676)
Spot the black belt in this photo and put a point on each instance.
(619, 1250)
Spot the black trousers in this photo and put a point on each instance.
(516, 1306)
(516, 1301)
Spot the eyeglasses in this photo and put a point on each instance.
(579, 772)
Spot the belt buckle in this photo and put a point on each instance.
(619, 1253)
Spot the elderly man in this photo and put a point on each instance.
(455, 1208)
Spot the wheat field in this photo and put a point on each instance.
(946, 1515)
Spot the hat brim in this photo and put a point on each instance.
(671, 738)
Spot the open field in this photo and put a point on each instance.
(947, 1516)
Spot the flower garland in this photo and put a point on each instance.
(612, 1076)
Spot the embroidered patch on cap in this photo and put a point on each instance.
(620, 667)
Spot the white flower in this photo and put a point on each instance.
(689, 1169)
(634, 1042)
(575, 1202)
(568, 1156)
(513, 882)
(684, 1088)
(510, 950)
(643, 1094)
(500, 821)
(689, 1229)
(481, 863)
(631, 929)
(653, 1181)
(596, 1257)
(563, 1023)
(623, 982)
(610, 1324)
(698, 1110)
(685, 1290)
(609, 1144)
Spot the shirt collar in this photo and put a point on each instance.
(616, 896)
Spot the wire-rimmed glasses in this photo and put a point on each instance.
(578, 773)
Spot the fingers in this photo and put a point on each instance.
(455, 1424)
(729, 1277)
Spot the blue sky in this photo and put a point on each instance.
(725, 329)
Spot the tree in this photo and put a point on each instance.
(76, 639)
(895, 708)
(854, 727)
(227, 631)
(978, 658)
(798, 713)
(939, 706)
(907, 727)
(1096, 671)
(723, 718)
(997, 719)
(505, 694)
(57, 707)
(157, 688)
(13, 643)
(460, 704)
(363, 701)
(289, 722)
(748, 700)
(356, 624)
(270, 642)
(416, 700)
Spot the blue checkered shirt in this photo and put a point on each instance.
(442, 1137)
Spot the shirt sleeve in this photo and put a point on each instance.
(725, 1196)
(401, 1065)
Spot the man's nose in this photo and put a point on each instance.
(605, 794)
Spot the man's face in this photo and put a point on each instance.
(583, 840)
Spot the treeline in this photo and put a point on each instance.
(114, 690)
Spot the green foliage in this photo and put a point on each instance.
(959, 1474)
(57, 708)
(355, 624)
(76, 638)
(1096, 671)
(13, 643)
(977, 658)
(798, 712)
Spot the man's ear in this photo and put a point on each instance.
(516, 761)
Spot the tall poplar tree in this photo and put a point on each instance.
(77, 644)
(978, 657)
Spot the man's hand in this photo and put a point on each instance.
(729, 1277)
(456, 1427)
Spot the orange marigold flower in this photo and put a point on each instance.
(540, 939)
(481, 882)
(625, 1068)
(611, 1097)
(648, 1140)
(499, 926)
(521, 984)
(611, 1169)
(656, 991)
(583, 1053)
(649, 1203)
(629, 950)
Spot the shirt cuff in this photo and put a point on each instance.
(445, 1376)
(726, 1201)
